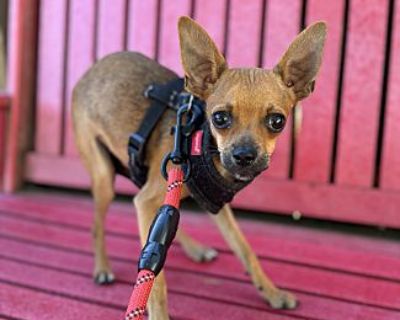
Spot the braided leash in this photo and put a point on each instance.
(146, 276)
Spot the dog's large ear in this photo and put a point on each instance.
(300, 64)
(201, 60)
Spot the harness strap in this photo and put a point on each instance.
(163, 97)
(206, 185)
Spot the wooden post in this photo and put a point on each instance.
(20, 85)
(2, 60)
(3, 30)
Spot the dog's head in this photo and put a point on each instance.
(248, 108)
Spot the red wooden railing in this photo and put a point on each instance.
(4, 105)
(345, 164)
(20, 90)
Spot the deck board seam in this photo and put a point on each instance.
(7, 317)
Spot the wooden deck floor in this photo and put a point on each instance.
(46, 261)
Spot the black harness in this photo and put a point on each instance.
(206, 185)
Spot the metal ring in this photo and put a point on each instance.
(190, 103)
(148, 90)
(186, 167)
(164, 164)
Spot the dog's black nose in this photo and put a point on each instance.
(244, 156)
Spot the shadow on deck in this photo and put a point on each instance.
(46, 261)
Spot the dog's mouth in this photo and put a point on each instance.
(243, 178)
(244, 173)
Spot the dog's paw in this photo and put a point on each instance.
(281, 299)
(208, 254)
(202, 254)
(103, 277)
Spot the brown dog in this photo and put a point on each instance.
(246, 109)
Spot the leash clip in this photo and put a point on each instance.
(189, 117)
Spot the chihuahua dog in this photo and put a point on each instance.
(246, 110)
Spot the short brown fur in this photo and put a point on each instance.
(108, 105)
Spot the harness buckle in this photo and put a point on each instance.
(159, 93)
(148, 90)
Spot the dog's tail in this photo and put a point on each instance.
(297, 120)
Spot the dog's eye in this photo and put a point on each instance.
(222, 119)
(275, 122)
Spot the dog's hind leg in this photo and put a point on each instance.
(102, 173)
(230, 230)
(103, 194)
(195, 250)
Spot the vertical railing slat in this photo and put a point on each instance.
(362, 83)
(390, 165)
(80, 56)
(111, 27)
(142, 26)
(52, 29)
(211, 15)
(169, 40)
(244, 33)
(315, 140)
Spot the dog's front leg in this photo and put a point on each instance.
(147, 202)
(232, 234)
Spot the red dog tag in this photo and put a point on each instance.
(197, 142)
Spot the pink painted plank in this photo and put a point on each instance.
(282, 25)
(169, 42)
(334, 251)
(349, 287)
(323, 201)
(206, 286)
(210, 14)
(52, 30)
(181, 304)
(75, 262)
(315, 141)
(43, 203)
(244, 33)
(80, 56)
(390, 165)
(111, 27)
(24, 303)
(66, 172)
(142, 26)
(361, 93)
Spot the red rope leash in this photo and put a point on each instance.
(140, 295)
(145, 278)
(174, 189)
